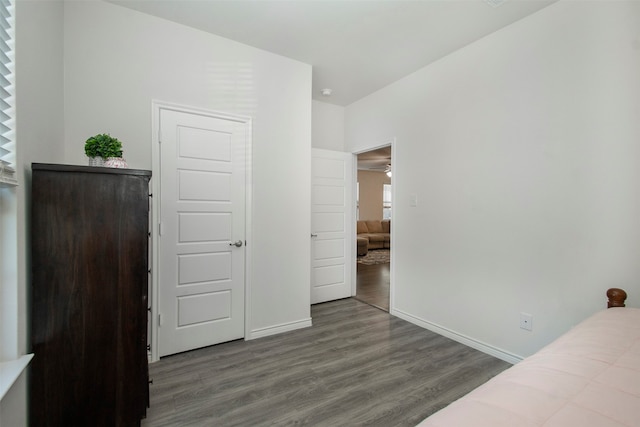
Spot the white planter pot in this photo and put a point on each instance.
(96, 161)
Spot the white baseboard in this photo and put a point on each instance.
(278, 329)
(463, 339)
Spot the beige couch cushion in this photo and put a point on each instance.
(376, 232)
(374, 226)
(376, 241)
(375, 237)
(363, 245)
(362, 227)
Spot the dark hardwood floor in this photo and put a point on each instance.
(355, 366)
(372, 284)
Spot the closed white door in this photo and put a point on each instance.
(202, 230)
(332, 234)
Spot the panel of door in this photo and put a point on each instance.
(332, 234)
(202, 229)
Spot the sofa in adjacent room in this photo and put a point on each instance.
(373, 234)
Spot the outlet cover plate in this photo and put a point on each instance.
(526, 321)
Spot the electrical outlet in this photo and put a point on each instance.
(526, 321)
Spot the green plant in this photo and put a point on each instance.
(103, 145)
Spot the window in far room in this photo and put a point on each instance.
(386, 201)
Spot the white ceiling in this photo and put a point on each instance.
(375, 160)
(355, 46)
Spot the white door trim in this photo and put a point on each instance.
(392, 275)
(156, 107)
(353, 219)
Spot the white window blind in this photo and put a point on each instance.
(7, 95)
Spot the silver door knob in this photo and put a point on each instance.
(236, 244)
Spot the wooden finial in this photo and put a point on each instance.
(616, 297)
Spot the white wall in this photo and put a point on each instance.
(327, 126)
(118, 60)
(371, 192)
(523, 149)
(39, 112)
(39, 138)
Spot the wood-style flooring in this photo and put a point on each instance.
(372, 284)
(355, 366)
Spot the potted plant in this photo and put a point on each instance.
(102, 149)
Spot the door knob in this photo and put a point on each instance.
(236, 244)
(314, 235)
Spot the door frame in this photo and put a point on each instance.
(390, 142)
(156, 107)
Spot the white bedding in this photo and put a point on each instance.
(589, 377)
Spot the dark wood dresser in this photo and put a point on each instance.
(89, 234)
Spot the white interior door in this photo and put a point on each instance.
(202, 230)
(332, 234)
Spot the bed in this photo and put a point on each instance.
(588, 377)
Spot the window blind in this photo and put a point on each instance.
(7, 94)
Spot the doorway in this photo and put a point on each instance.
(373, 213)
